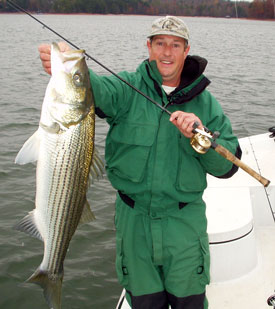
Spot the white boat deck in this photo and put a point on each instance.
(252, 290)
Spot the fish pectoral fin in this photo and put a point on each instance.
(28, 225)
(30, 150)
(51, 284)
(87, 214)
(97, 168)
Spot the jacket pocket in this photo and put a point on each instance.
(191, 176)
(128, 149)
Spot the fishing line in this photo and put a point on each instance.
(269, 203)
(20, 9)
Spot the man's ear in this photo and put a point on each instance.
(149, 46)
(186, 51)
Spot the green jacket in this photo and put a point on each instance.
(147, 157)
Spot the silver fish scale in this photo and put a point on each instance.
(70, 166)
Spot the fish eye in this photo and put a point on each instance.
(77, 79)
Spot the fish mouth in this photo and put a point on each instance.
(69, 55)
(71, 51)
(80, 51)
(67, 60)
(73, 55)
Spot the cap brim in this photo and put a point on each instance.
(163, 32)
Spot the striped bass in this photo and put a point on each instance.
(63, 147)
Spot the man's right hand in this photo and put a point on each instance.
(45, 54)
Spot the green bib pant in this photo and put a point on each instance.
(160, 252)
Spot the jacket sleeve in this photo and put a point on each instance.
(213, 162)
(110, 94)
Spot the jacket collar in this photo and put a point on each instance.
(193, 82)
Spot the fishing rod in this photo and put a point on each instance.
(202, 139)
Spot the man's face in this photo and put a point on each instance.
(169, 52)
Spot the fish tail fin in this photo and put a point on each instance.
(51, 285)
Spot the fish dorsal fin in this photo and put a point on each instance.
(97, 167)
(28, 225)
(30, 150)
(87, 214)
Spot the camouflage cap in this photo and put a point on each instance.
(170, 25)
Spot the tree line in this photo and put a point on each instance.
(259, 9)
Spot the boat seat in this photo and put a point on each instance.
(230, 230)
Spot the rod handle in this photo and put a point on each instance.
(229, 156)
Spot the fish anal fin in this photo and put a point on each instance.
(28, 225)
(87, 214)
(51, 284)
(30, 150)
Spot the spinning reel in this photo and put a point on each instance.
(202, 139)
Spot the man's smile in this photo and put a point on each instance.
(166, 62)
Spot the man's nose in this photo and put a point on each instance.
(167, 50)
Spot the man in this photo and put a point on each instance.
(162, 245)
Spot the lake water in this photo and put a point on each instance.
(242, 69)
